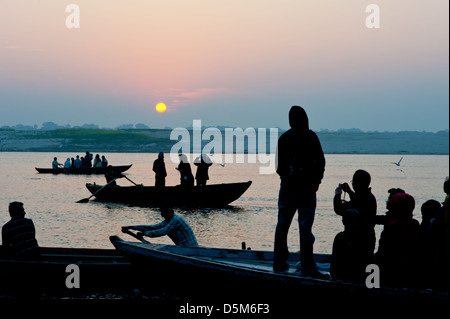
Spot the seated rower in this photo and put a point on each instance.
(55, 163)
(173, 226)
(111, 175)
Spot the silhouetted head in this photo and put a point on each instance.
(16, 209)
(351, 219)
(161, 155)
(402, 205)
(446, 186)
(298, 119)
(54, 158)
(166, 212)
(361, 180)
(183, 158)
(430, 209)
(392, 192)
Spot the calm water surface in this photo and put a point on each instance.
(50, 200)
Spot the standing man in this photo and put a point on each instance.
(301, 166)
(159, 167)
(203, 162)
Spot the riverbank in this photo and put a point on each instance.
(156, 140)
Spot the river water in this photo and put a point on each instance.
(50, 200)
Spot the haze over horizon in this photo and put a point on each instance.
(234, 63)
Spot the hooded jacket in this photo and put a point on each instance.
(300, 158)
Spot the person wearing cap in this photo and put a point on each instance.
(19, 235)
(399, 240)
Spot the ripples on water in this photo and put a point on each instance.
(50, 200)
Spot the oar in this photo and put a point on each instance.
(131, 181)
(62, 166)
(85, 200)
(129, 232)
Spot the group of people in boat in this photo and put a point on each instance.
(86, 161)
(203, 162)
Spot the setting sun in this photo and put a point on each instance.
(161, 107)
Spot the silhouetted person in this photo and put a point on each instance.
(19, 235)
(78, 163)
(399, 241)
(440, 227)
(362, 200)
(301, 165)
(97, 161)
(88, 159)
(186, 177)
(203, 163)
(428, 245)
(110, 175)
(173, 226)
(383, 219)
(159, 167)
(351, 251)
(104, 161)
(55, 163)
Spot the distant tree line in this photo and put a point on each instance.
(51, 126)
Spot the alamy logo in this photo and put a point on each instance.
(231, 145)
(373, 279)
(373, 19)
(73, 19)
(73, 280)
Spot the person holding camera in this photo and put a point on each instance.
(361, 200)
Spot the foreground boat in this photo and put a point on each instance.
(98, 269)
(216, 195)
(82, 171)
(213, 270)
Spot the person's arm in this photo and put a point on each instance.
(144, 228)
(340, 206)
(281, 162)
(163, 231)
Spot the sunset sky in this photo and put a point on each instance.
(234, 63)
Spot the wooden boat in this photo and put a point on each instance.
(98, 268)
(82, 171)
(248, 273)
(215, 195)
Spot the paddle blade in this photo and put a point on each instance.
(84, 200)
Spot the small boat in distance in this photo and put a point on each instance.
(214, 195)
(83, 170)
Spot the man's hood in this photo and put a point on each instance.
(298, 119)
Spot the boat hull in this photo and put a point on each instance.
(98, 269)
(82, 171)
(213, 271)
(216, 195)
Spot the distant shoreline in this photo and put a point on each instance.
(158, 140)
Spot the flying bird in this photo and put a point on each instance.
(398, 163)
